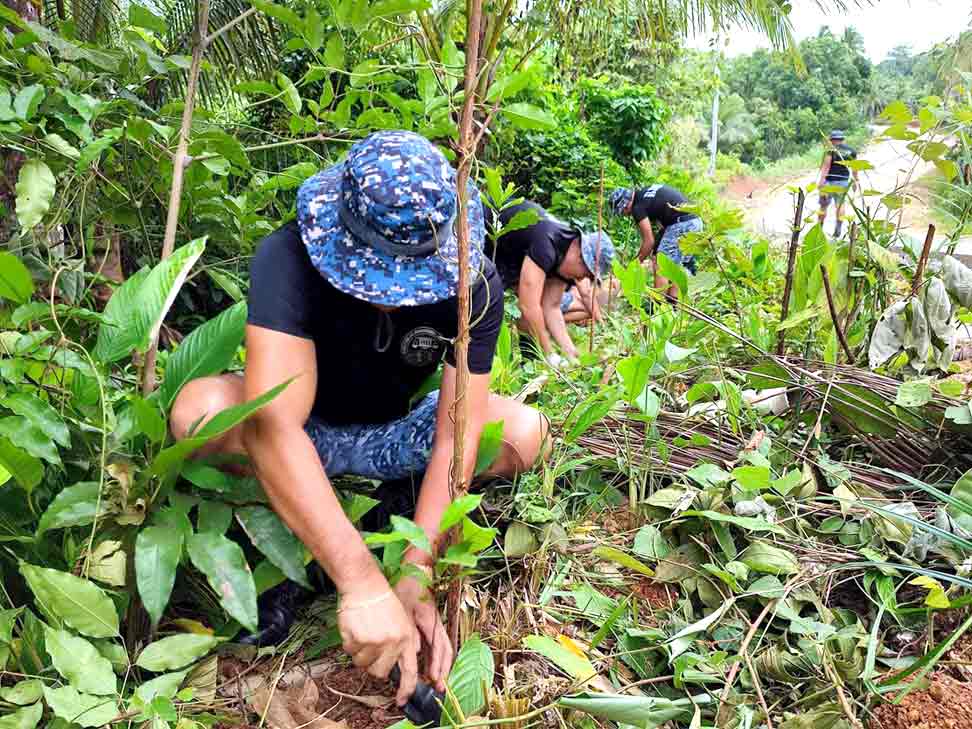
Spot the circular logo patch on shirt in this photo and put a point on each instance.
(422, 346)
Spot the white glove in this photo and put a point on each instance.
(555, 360)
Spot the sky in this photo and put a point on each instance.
(884, 25)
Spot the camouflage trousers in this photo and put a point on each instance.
(384, 452)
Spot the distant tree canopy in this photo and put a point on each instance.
(789, 110)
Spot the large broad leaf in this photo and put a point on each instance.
(272, 537)
(145, 307)
(15, 281)
(490, 445)
(289, 94)
(589, 412)
(634, 371)
(35, 190)
(166, 685)
(172, 457)
(26, 470)
(77, 708)
(566, 660)
(118, 312)
(80, 663)
(645, 712)
(27, 100)
(528, 116)
(27, 718)
(673, 272)
(334, 52)
(24, 434)
(76, 505)
(158, 550)
(23, 693)
(40, 414)
(79, 603)
(807, 281)
(472, 671)
(145, 18)
(207, 351)
(175, 652)
(224, 565)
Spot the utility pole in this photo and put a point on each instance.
(714, 134)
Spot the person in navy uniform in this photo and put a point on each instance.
(835, 178)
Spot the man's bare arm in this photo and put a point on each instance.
(647, 239)
(529, 294)
(825, 168)
(553, 317)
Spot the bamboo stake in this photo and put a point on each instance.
(460, 407)
(790, 267)
(833, 314)
(597, 259)
(923, 260)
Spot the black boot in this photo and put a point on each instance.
(838, 228)
(277, 610)
(394, 497)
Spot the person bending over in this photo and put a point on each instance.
(659, 205)
(835, 174)
(542, 262)
(357, 302)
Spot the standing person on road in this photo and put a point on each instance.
(548, 264)
(659, 204)
(356, 302)
(835, 174)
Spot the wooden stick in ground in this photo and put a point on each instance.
(923, 260)
(597, 259)
(720, 718)
(833, 314)
(460, 407)
(790, 267)
(200, 38)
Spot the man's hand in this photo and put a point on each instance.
(378, 632)
(421, 607)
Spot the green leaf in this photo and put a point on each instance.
(35, 190)
(519, 540)
(23, 693)
(16, 283)
(145, 304)
(650, 544)
(208, 350)
(589, 412)
(80, 663)
(166, 686)
(175, 651)
(26, 718)
(77, 708)
(528, 116)
(225, 567)
(913, 394)
(457, 510)
(158, 550)
(950, 388)
(673, 272)
(471, 674)
(214, 517)
(635, 371)
(745, 522)
(389, 8)
(275, 540)
(573, 665)
(81, 604)
(26, 470)
(291, 96)
(752, 478)
(24, 434)
(61, 145)
(624, 559)
(490, 445)
(897, 112)
(763, 557)
(39, 413)
(26, 102)
(403, 530)
(644, 712)
(74, 506)
(807, 281)
(171, 458)
(334, 52)
(313, 29)
(145, 18)
(800, 317)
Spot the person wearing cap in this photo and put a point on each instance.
(544, 262)
(356, 304)
(659, 205)
(835, 178)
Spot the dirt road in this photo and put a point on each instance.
(769, 207)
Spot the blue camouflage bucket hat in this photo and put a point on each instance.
(597, 262)
(380, 225)
(620, 199)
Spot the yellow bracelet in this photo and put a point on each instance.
(366, 603)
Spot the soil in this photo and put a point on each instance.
(656, 595)
(945, 704)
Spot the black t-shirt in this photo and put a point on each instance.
(545, 243)
(840, 153)
(369, 363)
(658, 203)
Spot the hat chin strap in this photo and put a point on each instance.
(375, 239)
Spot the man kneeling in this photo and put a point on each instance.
(357, 301)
